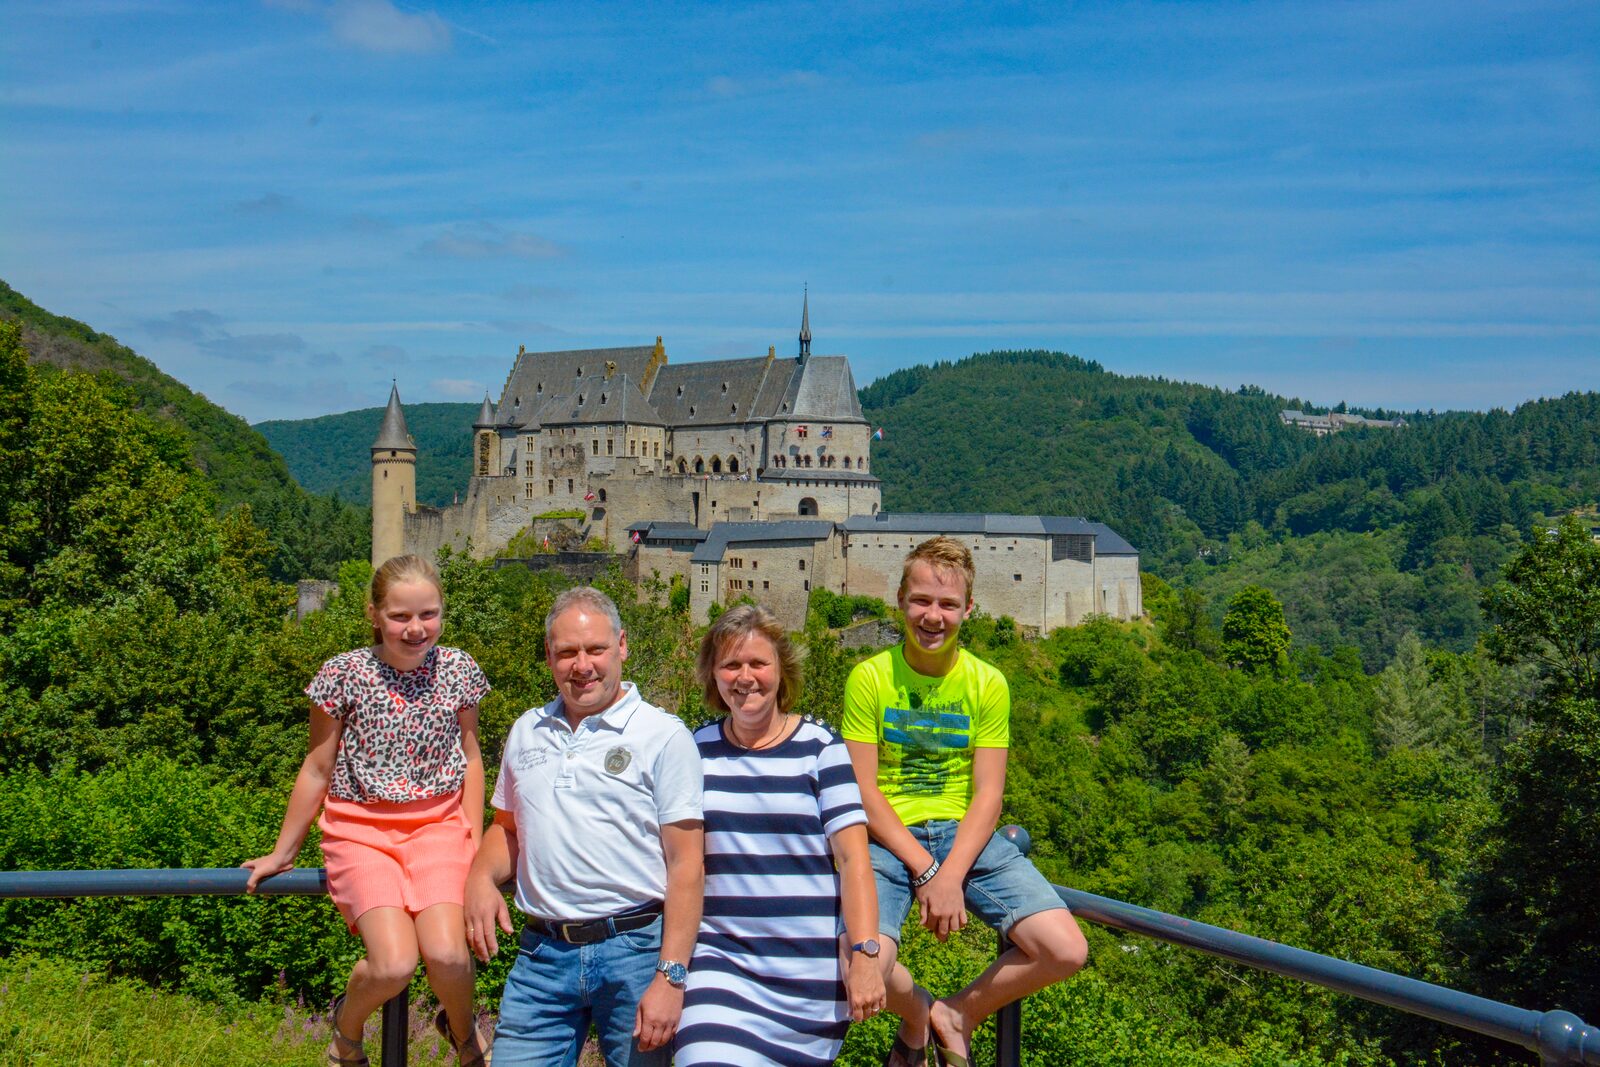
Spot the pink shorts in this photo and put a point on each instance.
(393, 855)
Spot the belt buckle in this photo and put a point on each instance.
(575, 933)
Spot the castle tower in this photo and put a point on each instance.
(394, 482)
(486, 442)
(805, 326)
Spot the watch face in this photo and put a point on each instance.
(868, 947)
(677, 973)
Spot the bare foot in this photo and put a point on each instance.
(951, 1032)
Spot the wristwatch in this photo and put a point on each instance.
(677, 974)
(868, 948)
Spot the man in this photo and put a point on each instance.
(928, 725)
(597, 812)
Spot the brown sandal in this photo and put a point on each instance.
(473, 1052)
(341, 1044)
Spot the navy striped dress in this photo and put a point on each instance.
(764, 985)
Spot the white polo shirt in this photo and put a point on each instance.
(590, 804)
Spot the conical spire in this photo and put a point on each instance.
(393, 434)
(805, 325)
(485, 417)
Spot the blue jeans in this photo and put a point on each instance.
(1002, 888)
(555, 990)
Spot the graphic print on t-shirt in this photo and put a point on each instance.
(925, 732)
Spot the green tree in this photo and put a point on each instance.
(1547, 609)
(1255, 636)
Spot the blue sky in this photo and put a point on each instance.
(286, 204)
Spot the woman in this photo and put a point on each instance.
(781, 810)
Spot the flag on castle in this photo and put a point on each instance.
(827, 431)
(636, 537)
(877, 435)
(588, 496)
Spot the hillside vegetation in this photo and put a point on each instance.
(329, 454)
(308, 534)
(1364, 535)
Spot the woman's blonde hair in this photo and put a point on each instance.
(735, 625)
(397, 569)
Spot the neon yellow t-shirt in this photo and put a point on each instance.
(926, 729)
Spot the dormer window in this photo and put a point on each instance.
(539, 388)
(580, 400)
(580, 372)
(724, 387)
(691, 410)
(735, 409)
(602, 398)
(680, 390)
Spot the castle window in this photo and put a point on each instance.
(539, 388)
(847, 463)
(733, 464)
(610, 446)
(552, 487)
(735, 409)
(1016, 577)
(766, 585)
(704, 587)
(595, 444)
(602, 496)
(724, 387)
(658, 450)
(691, 409)
(807, 584)
(699, 465)
(683, 466)
(802, 564)
(527, 468)
(680, 390)
(527, 491)
(569, 485)
(580, 400)
(630, 447)
(754, 564)
(716, 464)
(580, 372)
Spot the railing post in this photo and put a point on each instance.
(1007, 1024)
(1008, 1020)
(395, 1024)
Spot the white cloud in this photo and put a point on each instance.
(488, 241)
(463, 388)
(379, 26)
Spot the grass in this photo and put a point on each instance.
(53, 1012)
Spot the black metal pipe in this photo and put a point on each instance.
(1007, 1022)
(196, 881)
(1555, 1034)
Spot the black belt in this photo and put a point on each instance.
(588, 931)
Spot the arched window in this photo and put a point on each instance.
(733, 464)
(847, 463)
(699, 465)
(716, 464)
(602, 496)
(808, 506)
(683, 466)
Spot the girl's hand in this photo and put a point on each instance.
(863, 982)
(263, 867)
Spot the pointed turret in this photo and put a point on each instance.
(394, 482)
(485, 419)
(393, 433)
(805, 325)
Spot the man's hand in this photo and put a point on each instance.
(485, 910)
(944, 909)
(657, 1018)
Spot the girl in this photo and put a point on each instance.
(394, 765)
(781, 810)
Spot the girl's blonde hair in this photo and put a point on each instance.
(397, 569)
(735, 625)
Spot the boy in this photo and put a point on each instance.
(927, 725)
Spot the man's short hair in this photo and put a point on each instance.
(586, 596)
(944, 554)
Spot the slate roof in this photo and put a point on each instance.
(1107, 542)
(598, 399)
(816, 474)
(720, 391)
(485, 414)
(824, 389)
(539, 375)
(393, 433)
(723, 534)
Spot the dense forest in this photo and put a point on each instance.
(307, 535)
(329, 454)
(1207, 761)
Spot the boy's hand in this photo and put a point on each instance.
(944, 909)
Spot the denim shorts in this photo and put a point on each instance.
(1002, 888)
(556, 990)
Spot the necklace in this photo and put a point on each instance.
(762, 742)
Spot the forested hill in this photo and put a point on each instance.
(309, 535)
(329, 454)
(1363, 535)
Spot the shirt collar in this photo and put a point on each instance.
(614, 718)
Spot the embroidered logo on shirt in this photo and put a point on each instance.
(617, 760)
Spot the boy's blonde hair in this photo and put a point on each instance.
(942, 554)
(397, 569)
(735, 625)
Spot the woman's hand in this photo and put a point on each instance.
(863, 983)
(264, 867)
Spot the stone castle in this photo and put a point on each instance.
(745, 477)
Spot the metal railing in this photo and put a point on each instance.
(1559, 1037)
